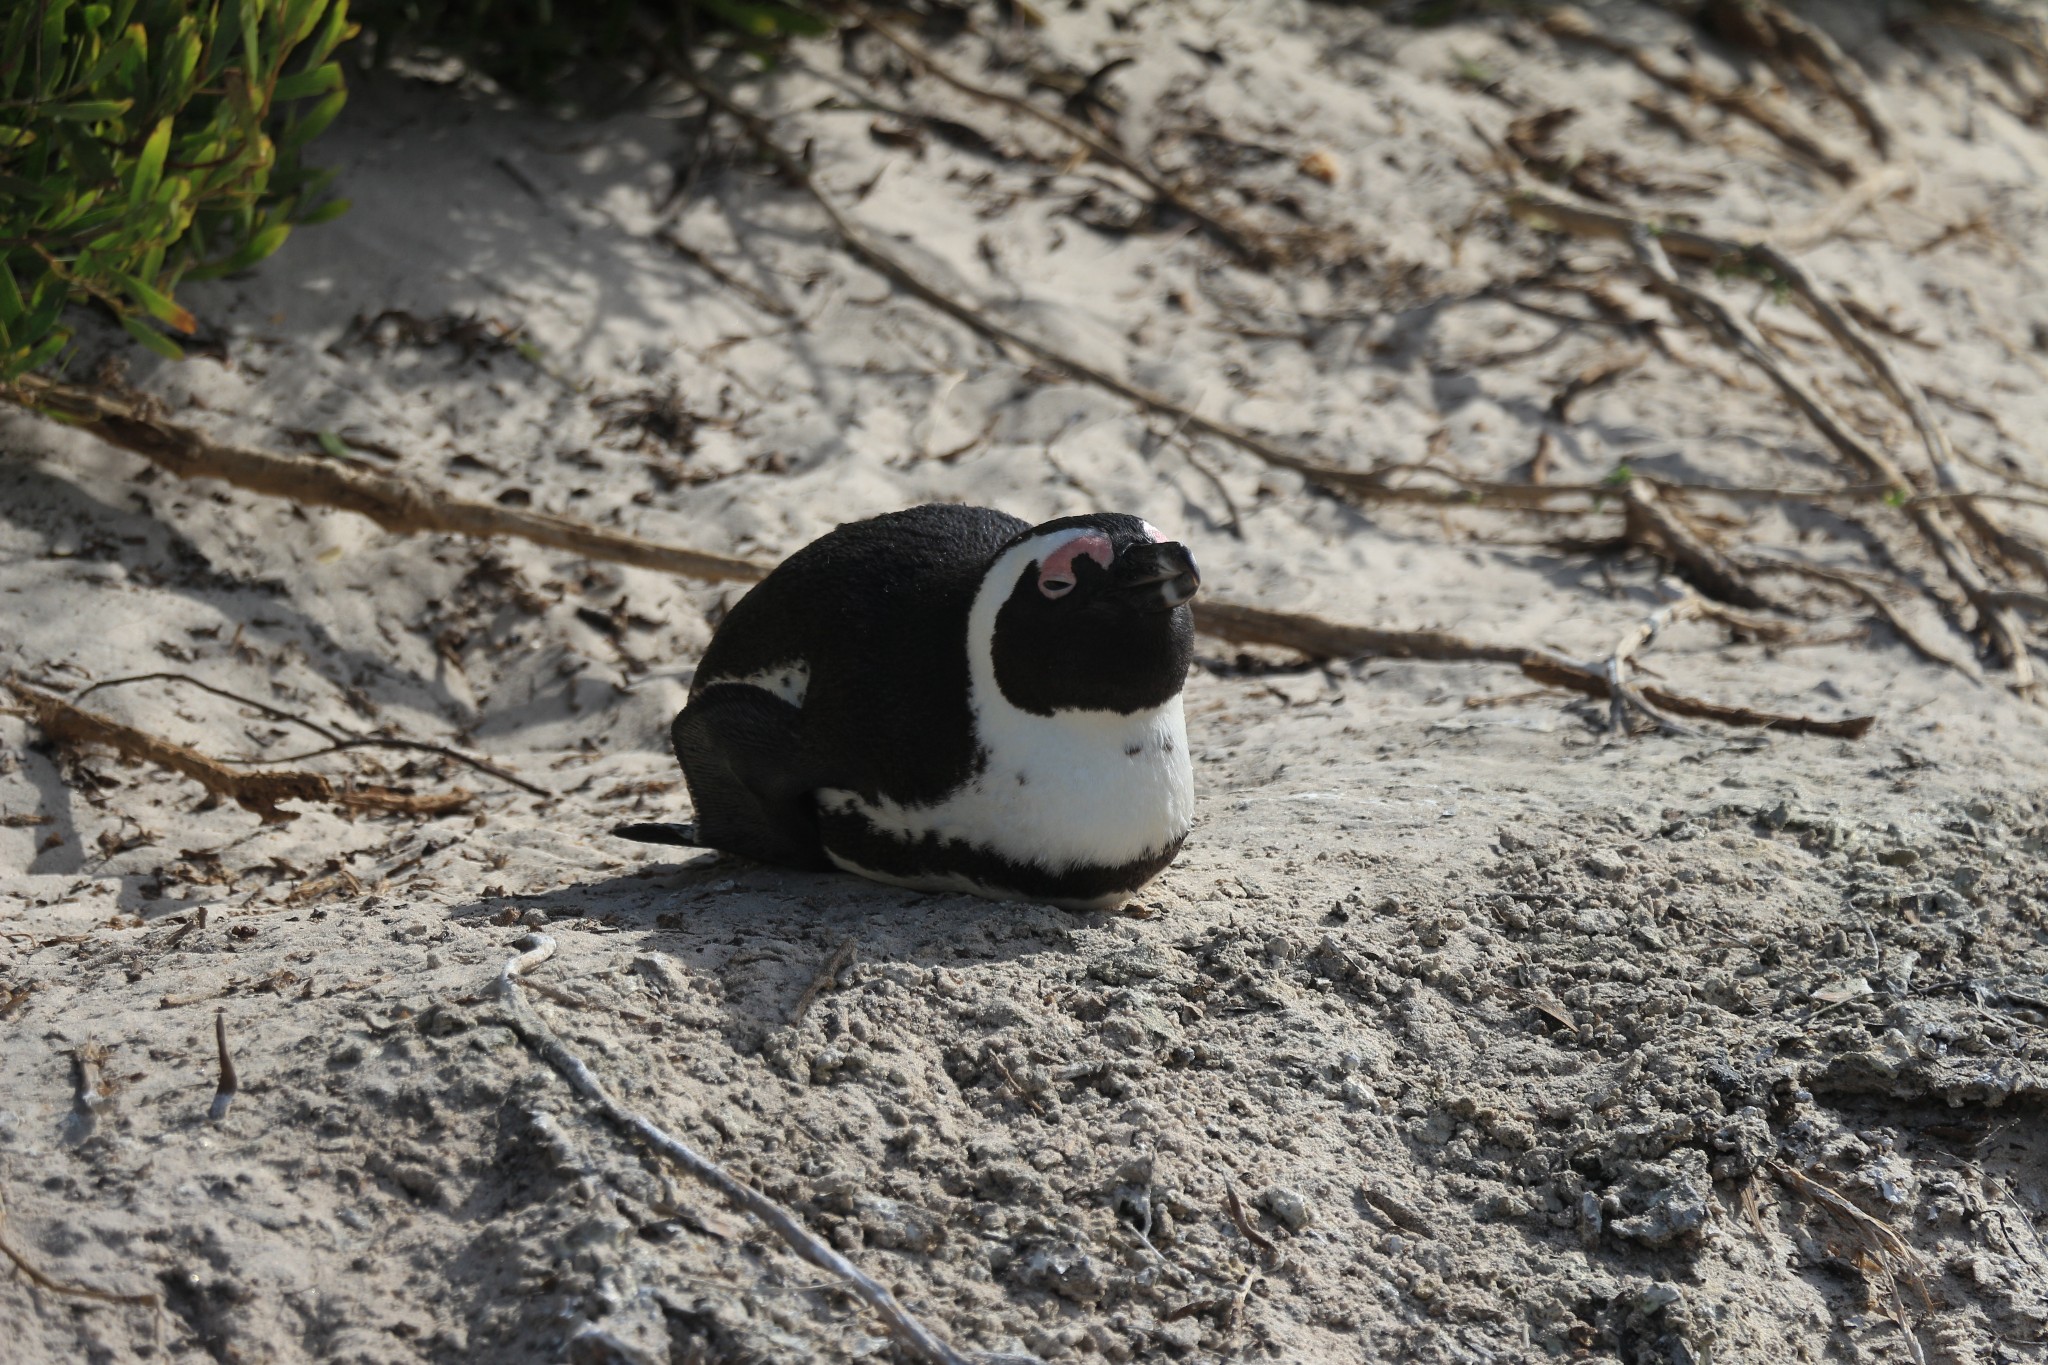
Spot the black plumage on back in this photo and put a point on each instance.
(878, 610)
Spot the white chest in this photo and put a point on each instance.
(1073, 789)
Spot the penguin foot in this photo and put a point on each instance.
(680, 834)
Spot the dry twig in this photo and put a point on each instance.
(393, 503)
(41, 1280)
(224, 1093)
(337, 739)
(1568, 21)
(431, 511)
(1327, 639)
(1884, 1247)
(259, 792)
(1245, 1225)
(1878, 603)
(1230, 235)
(1621, 697)
(1651, 244)
(1765, 28)
(760, 298)
(911, 1334)
(1866, 190)
(857, 241)
(827, 974)
(1655, 524)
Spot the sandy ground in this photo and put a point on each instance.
(1515, 1041)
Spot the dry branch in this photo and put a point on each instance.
(1652, 523)
(1866, 190)
(259, 792)
(911, 1334)
(1568, 21)
(1902, 390)
(2034, 602)
(1783, 39)
(337, 740)
(41, 1280)
(857, 241)
(1230, 235)
(1328, 639)
(1651, 242)
(271, 474)
(760, 298)
(393, 503)
(1554, 672)
(1622, 698)
(827, 974)
(1885, 1247)
(1735, 331)
(1315, 636)
(1878, 603)
(224, 1094)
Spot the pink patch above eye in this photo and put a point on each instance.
(1056, 570)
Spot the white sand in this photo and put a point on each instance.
(1490, 993)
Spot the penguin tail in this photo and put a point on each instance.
(678, 834)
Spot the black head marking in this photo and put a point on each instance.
(1100, 625)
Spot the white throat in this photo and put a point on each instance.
(1070, 789)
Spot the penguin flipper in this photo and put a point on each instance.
(742, 757)
(679, 834)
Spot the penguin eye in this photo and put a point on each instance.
(1056, 571)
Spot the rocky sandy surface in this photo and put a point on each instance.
(1511, 1040)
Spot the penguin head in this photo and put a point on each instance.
(1093, 616)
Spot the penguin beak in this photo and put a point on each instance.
(1156, 577)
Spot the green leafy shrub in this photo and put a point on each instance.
(145, 142)
(532, 47)
(148, 142)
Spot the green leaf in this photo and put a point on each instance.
(332, 443)
(44, 307)
(87, 111)
(88, 157)
(313, 124)
(299, 18)
(180, 61)
(159, 306)
(43, 352)
(326, 213)
(53, 31)
(318, 81)
(117, 52)
(13, 43)
(252, 51)
(11, 306)
(333, 33)
(151, 337)
(259, 246)
(149, 167)
(29, 191)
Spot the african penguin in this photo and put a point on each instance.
(950, 699)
